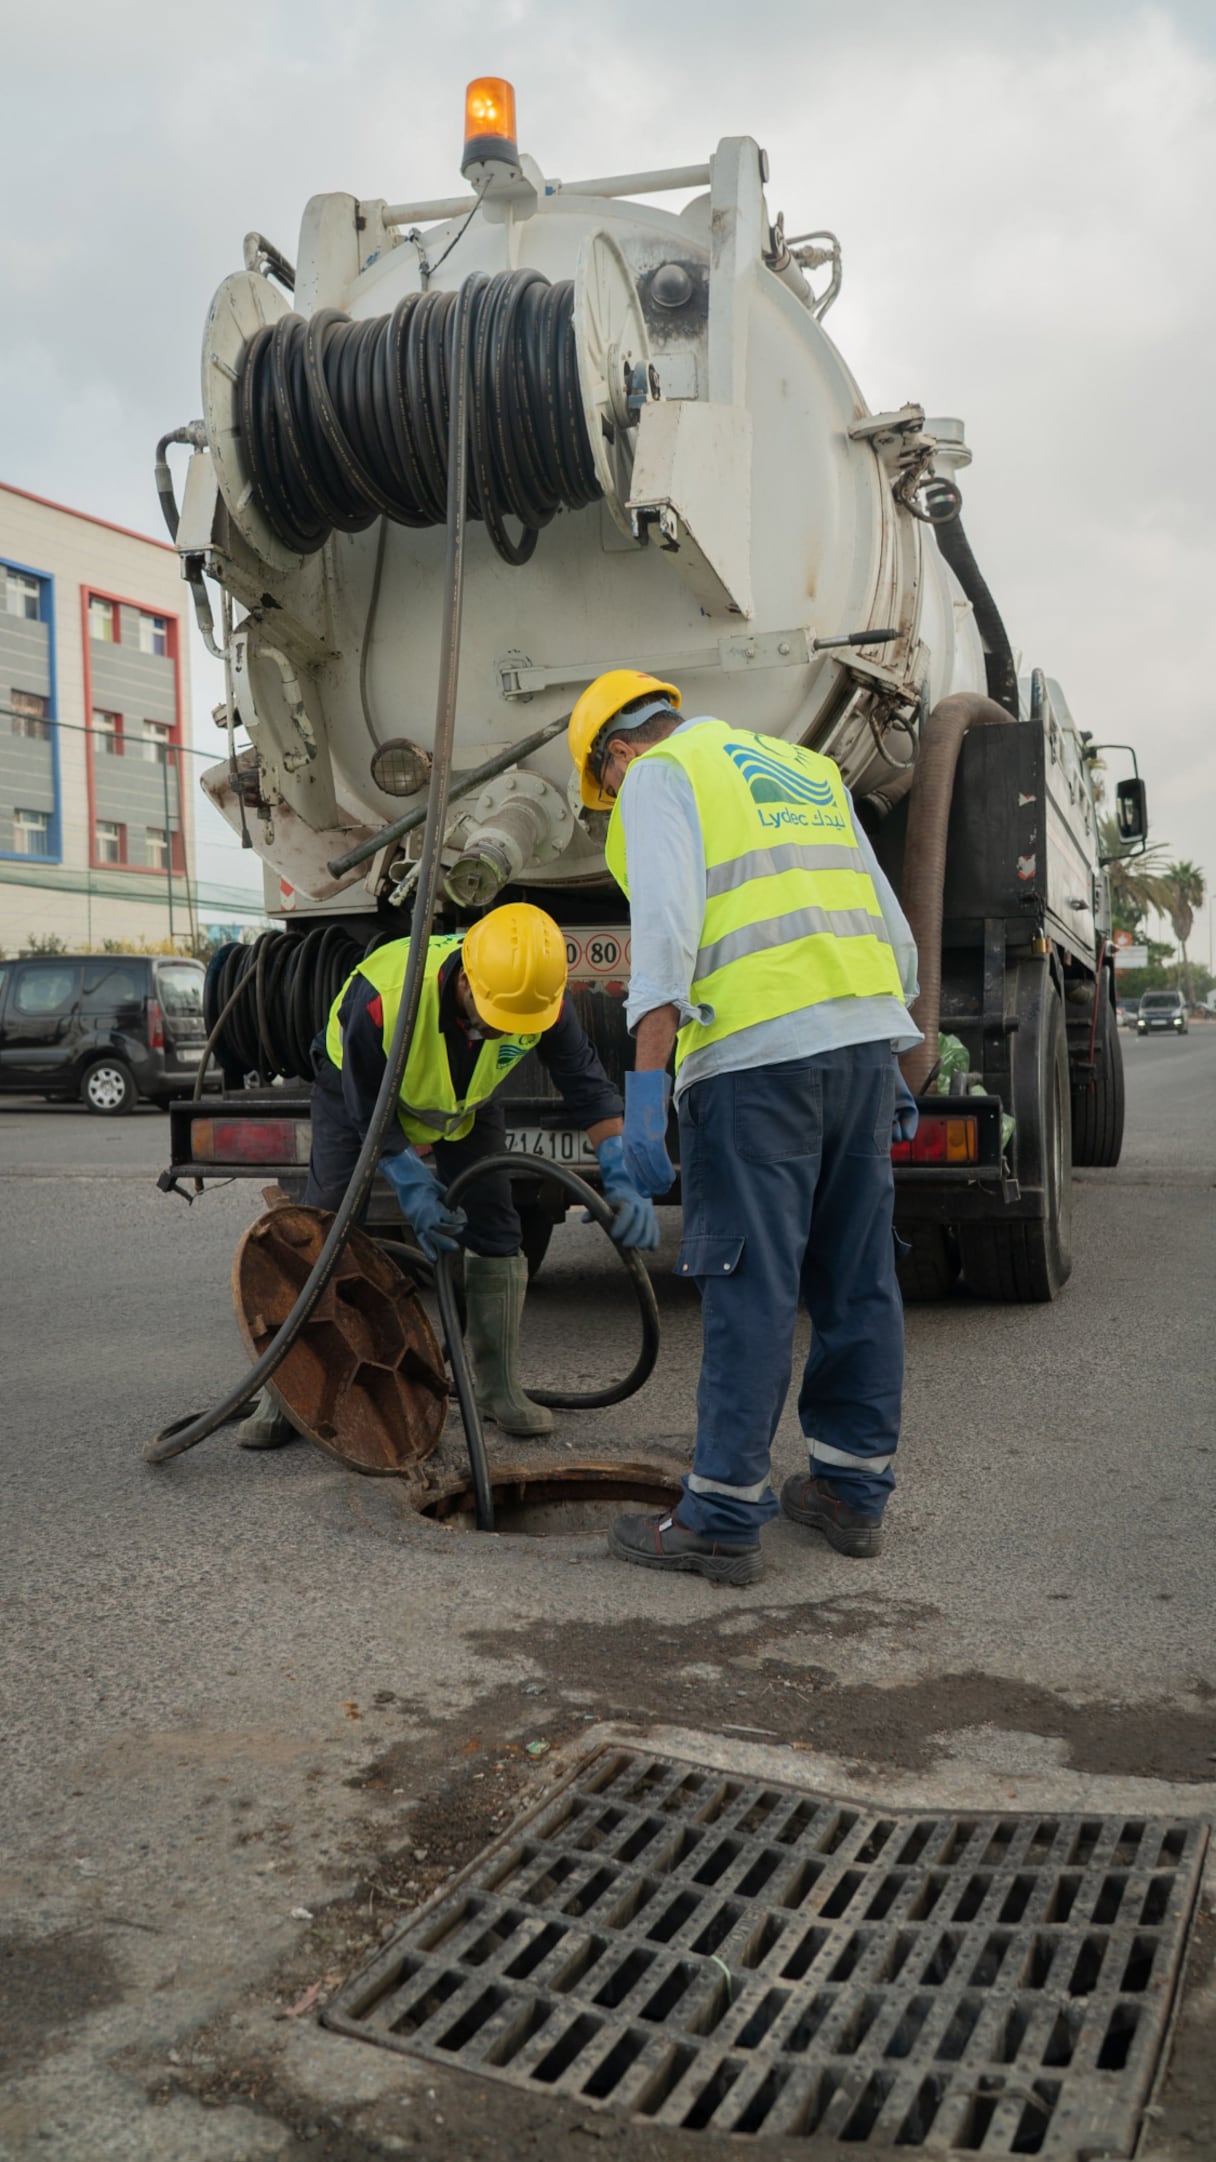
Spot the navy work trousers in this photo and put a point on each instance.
(788, 1191)
(493, 1220)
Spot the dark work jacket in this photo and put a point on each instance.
(565, 1050)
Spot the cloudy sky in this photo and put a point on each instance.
(1023, 191)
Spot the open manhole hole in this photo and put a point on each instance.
(707, 1951)
(563, 1501)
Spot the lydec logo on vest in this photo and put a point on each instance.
(773, 781)
(510, 1053)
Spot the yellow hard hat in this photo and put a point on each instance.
(515, 960)
(599, 702)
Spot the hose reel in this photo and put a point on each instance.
(295, 979)
(325, 423)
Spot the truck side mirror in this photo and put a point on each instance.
(1131, 810)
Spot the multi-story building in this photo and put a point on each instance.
(96, 780)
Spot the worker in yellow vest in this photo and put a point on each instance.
(489, 996)
(769, 953)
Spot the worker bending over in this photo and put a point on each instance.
(769, 950)
(489, 996)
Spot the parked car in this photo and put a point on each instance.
(1129, 1012)
(1161, 1010)
(106, 1028)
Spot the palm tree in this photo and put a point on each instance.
(1139, 882)
(1185, 892)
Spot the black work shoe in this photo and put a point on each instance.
(662, 1542)
(816, 1502)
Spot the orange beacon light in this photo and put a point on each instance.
(489, 122)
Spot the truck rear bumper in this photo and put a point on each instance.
(961, 1201)
(250, 1136)
(266, 1136)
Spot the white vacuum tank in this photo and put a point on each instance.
(751, 508)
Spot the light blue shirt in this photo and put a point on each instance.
(666, 862)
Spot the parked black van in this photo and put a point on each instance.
(104, 1027)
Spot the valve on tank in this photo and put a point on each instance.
(519, 820)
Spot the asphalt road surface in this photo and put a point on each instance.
(255, 1711)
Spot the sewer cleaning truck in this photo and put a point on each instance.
(670, 467)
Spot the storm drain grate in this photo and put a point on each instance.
(703, 1950)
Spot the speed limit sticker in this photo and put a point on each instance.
(598, 953)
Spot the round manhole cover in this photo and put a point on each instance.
(365, 1380)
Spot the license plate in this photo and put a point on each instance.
(185, 1057)
(555, 1145)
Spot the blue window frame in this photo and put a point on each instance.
(46, 614)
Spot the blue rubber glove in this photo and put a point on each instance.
(906, 1117)
(436, 1227)
(636, 1223)
(647, 1164)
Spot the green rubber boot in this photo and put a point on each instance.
(266, 1427)
(494, 1287)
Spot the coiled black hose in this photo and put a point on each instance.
(290, 982)
(560, 1399)
(344, 422)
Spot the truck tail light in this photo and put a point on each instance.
(156, 1026)
(250, 1141)
(940, 1139)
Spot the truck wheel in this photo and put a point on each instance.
(930, 1271)
(1025, 1262)
(537, 1230)
(1097, 1106)
(107, 1087)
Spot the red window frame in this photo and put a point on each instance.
(120, 730)
(103, 863)
(118, 602)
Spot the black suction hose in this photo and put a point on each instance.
(999, 667)
(466, 1395)
(346, 421)
(559, 1399)
(185, 1433)
(301, 976)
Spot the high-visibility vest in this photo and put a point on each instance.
(430, 1109)
(792, 917)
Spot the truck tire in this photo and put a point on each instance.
(1024, 1261)
(930, 1270)
(1097, 1105)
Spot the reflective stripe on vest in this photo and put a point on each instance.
(792, 917)
(430, 1109)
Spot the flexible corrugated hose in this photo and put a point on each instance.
(924, 873)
